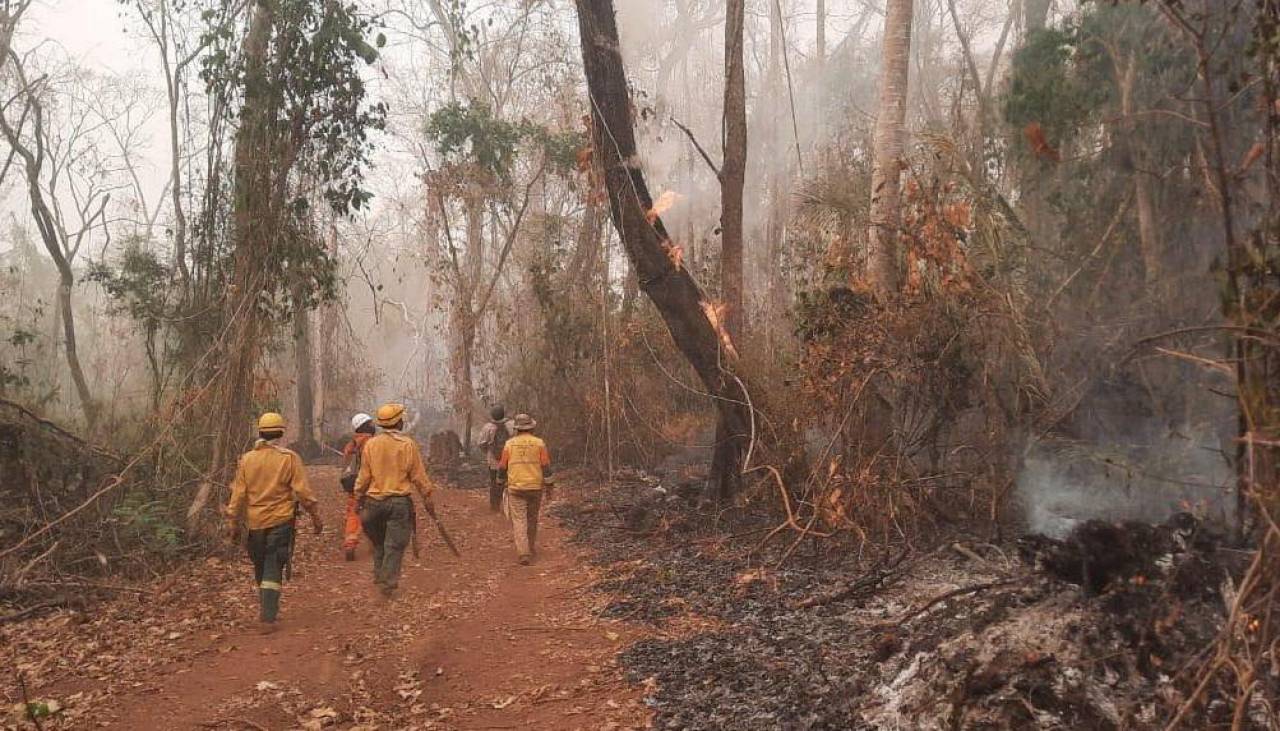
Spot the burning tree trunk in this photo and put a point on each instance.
(734, 171)
(694, 323)
(891, 116)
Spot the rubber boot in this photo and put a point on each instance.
(270, 606)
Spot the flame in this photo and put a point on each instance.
(662, 205)
(715, 313)
(676, 255)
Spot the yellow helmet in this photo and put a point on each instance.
(389, 414)
(270, 421)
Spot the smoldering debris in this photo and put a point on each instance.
(1098, 629)
(1062, 484)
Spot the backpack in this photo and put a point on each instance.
(348, 479)
(501, 433)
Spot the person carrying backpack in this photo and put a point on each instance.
(493, 437)
(363, 430)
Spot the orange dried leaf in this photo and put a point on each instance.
(1039, 143)
(1252, 156)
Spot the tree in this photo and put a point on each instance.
(887, 148)
(11, 12)
(302, 137)
(480, 154)
(695, 324)
(734, 170)
(177, 52)
(59, 165)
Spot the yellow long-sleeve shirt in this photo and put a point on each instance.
(269, 479)
(391, 465)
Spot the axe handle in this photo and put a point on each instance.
(444, 534)
(413, 536)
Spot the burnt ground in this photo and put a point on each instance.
(1100, 631)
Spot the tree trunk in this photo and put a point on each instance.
(330, 319)
(304, 363)
(778, 172)
(669, 286)
(587, 249)
(1148, 235)
(820, 46)
(250, 235)
(87, 405)
(734, 170)
(891, 116)
(173, 91)
(463, 316)
(1035, 14)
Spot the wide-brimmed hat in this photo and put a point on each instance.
(390, 414)
(524, 422)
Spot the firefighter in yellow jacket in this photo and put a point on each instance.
(390, 469)
(269, 485)
(526, 467)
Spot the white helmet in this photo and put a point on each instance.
(360, 420)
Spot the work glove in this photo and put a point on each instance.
(317, 523)
(233, 532)
(428, 504)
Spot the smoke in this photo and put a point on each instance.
(1063, 484)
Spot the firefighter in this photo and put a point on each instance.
(526, 470)
(493, 437)
(390, 469)
(362, 431)
(269, 487)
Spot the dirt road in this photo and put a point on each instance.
(477, 642)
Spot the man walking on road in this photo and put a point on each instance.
(269, 485)
(363, 431)
(493, 437)
(390, 469)
(526, 468)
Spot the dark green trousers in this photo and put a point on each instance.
(269, 551)
(496, 489)
(389, 525)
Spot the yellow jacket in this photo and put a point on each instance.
(523, 458)
(391, 465)
(269, 479)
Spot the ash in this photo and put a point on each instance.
(1094, 629)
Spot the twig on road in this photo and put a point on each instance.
(973, 589)
(26, 703)
(243, 721)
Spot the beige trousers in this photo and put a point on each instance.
(522, 508)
